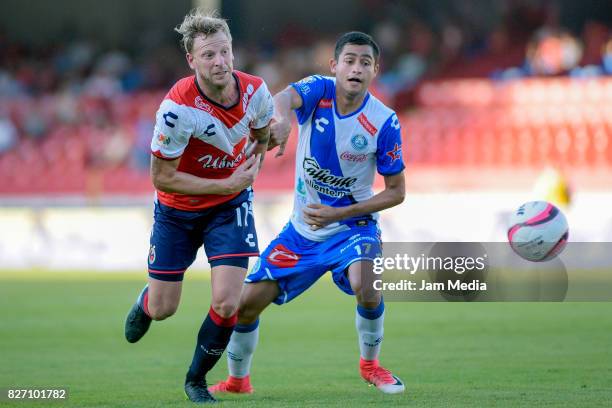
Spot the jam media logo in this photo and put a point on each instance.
(359, 142)
(200, 104)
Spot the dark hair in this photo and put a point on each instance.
(357, 38)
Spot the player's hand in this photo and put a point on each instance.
(319, 215)
(279, 134)
(244, 175)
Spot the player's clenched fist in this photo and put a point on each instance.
(279, 134)
(244, 175)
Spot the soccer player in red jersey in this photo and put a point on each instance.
(203, 170)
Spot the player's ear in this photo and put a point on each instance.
(189, 58)
(376, 68)
(332, 65)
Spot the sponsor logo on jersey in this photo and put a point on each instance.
(324, 182)
(354, 157)
(307, 80)
(245, 97)
(325, 103)
(303, 84)
(301, 189)
(283, 257)
(367, 125)
(359, 142)
(316, 173)
(395, 154)
(200, 104)
(209, 161)
(163, 140)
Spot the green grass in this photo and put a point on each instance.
(66, 330)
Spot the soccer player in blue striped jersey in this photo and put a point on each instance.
(345, 136)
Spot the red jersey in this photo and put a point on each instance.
(210, 139)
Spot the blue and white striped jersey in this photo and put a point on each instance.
(337, 156)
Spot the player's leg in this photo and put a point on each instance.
(255, 298)
(173, 248)
(229, 240)
(162, 298)
(217, 327)
(369, 321)
(288, 267)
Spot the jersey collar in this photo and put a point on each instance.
(195, 80)
(356, 111)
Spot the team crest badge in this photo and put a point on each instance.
(359, 142)
(152, 254)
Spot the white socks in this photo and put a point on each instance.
(241, 348)
(370, 329)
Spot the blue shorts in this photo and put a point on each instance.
(227, 232)
(296, 263)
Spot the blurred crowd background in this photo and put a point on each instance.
(520, 84)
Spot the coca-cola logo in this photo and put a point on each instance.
(353, 157)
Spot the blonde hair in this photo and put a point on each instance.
(198, 22)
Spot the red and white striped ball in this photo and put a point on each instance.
(538, 231)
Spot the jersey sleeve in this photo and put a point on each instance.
(173, 128)
(311, 89)
(265, 109)
(389, 159)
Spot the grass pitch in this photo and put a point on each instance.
(66, 330)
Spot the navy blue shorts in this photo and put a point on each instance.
(227, 232)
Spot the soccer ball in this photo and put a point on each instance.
(538, 231)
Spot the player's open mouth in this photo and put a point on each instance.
(354, 80)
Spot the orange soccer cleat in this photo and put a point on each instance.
(382, 378)
(234, 385)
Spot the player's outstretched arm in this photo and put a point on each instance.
(284, 102)
(318, 215)
(167, 178)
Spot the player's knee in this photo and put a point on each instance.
(247, 314)
(225, 309)
(161, 311)
(369, 300)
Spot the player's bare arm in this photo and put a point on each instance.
(284, 102)
(319, 215)
(259, 146)
(167, 178)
